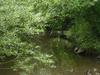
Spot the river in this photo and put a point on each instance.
(79, 65)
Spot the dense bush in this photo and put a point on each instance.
(87, 28)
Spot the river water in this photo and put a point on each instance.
(82, 66)
(79, 65)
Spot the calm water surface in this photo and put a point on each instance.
(80, 66)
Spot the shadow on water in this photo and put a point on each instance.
(66, 62)
(5, 69)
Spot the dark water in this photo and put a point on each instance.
(72, 66)
(5, 69)
(80, 67)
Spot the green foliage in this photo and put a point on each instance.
(87, 29)
(22, 20)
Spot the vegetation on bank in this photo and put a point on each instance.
(23, 21)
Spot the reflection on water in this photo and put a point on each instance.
(83, 67)
(5, 69)
(80, 66)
